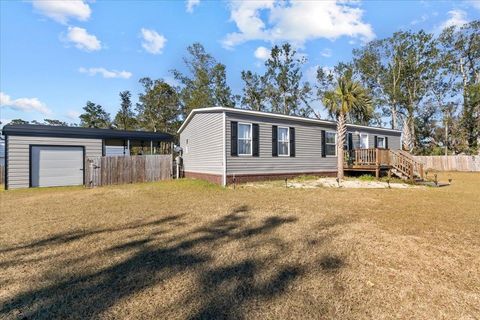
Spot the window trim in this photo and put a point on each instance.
(288, 142)
(360, 140)
(345, 145)
(384, 140)
(251, 140)
(329, 143)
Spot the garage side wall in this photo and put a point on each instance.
(19, 151)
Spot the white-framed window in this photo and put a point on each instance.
(363, 141)
(330, 143)
(381, 142)
(244, 139)
(283, 141)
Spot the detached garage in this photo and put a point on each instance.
(49, 156)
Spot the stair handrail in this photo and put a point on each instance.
(417, 166)
(401, 163)
(406, 164)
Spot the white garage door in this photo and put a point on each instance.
(56, 166)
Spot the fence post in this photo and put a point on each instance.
(90, 173)
(412, 174)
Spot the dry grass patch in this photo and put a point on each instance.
(191, 250)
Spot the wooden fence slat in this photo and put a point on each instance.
(2, 174)
(127, 169)
(450, 163)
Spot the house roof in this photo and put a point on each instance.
(79, 132)
(275, 115)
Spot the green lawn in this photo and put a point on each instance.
(192, 250)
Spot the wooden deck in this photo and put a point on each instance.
(376, 160)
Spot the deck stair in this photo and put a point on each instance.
(404, 166)
(397, 162)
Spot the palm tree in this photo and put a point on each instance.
(349, 97)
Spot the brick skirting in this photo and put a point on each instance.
(275, 176)
(255, 177)
(214, 178)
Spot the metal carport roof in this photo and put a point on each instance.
(80, 132)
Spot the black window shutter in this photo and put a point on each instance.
(324, 145)
(350, 141)
(255, 140)
(375, 141)
(292, 142)
(234, 138)
(274, 141)
(386, 142)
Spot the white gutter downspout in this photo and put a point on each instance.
(224, 174)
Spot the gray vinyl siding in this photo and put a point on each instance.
(308, 148)
(203, 152)
(19, 151)
(393, 137)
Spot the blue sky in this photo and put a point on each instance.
(56, 55)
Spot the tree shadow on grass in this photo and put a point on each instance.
(227, 302)
(71, 236)
(88, 295)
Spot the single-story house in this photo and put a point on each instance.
(224, 144)
(46, 156)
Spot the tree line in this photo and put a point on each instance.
(424, 84)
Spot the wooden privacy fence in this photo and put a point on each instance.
(101, 171)
(2, 174)
(450, 163)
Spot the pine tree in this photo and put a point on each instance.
(94, 116)
(125, 117)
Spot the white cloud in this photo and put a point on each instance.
(109, 74)
(262, 53)
(456, 18)
(82, 39)
(192, 4)
(311, 72)
(152, 41)
(296, 21)
(73, 115)
(62, 11)
(24, 104)
(3, 122)
(475, 4)
(420, 20)
(327, 53)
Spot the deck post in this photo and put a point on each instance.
(377, 163)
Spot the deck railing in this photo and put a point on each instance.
(367, 157)
(375, 158)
